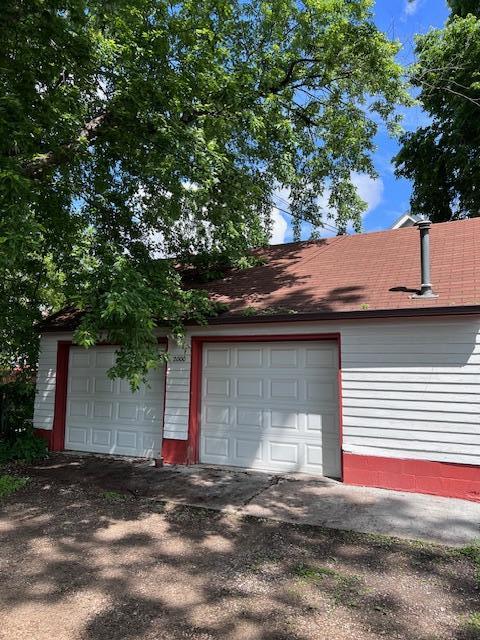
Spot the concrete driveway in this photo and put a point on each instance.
(296, 499)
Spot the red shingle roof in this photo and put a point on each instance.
(358, 274)
(366, 271)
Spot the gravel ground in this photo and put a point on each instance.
(79, 564)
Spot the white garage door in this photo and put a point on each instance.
(103, 415)
(271, 406)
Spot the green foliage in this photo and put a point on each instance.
(24, 446)
(114, 496)
(442, 158)
(138, 129)
(17, 395)
(10, 484)
(17, 438)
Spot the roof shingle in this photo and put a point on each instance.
(365, 272)
(378, 270)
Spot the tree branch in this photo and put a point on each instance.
(37, 166)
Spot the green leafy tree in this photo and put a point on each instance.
(443, 158)
(136, 129)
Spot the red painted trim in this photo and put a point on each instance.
(57, 438)
(45, 434)
(275, 337)
(57, 442)
(187, 451)
(175, 451)
(420, 476)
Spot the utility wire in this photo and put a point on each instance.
(329, 226)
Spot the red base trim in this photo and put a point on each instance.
(420, 476)
(45, 434)
(176, 452)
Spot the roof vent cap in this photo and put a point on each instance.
(426, 290)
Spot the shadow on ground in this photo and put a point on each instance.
(298, 499)
(83, 564)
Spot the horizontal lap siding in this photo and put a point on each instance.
(412, 390)
(46, 376)
(410, 387)
(177, 397)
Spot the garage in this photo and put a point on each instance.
(271, 406)
(103, 415)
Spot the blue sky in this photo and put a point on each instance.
(388, 196)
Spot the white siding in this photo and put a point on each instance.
(46, 375)
(177, 394)
(411, 387)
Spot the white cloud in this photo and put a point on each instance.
(410, 7)
(369, 189)
(279, 227)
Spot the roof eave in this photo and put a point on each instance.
(315, 316)
(348, 315)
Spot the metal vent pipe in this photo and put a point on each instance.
(426, 290)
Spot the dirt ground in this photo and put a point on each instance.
(77, 563)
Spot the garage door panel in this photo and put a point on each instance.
(104, 358)
(272, 407)
(102, 437)
(283, 452)
(103, 415)
(314, 456)
(250, 358)
(284, 357)
(217, 447)
(217, 357)
(219, 387)
(78, 409)
(249, 388)
(80, 359)
(103, 410)
(127, 411)
(78, 435)
(284, 389)
(249, 417)
(247, 451)
(320, 356)
(79, 384)
(217, 415)
(320, 390)
(284, 420)
(103, 385)
(126, 439)
(152, 412)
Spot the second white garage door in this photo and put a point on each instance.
(271, 406)
(103, 415)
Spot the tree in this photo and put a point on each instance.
(141, 128)
(443, 158)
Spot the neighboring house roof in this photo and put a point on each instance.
(357, 275)
(406, 220)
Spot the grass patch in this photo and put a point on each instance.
(10, 484)
(473, 623)
(313, 574)
(114, 496)
(472, 552)
(344, 589)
